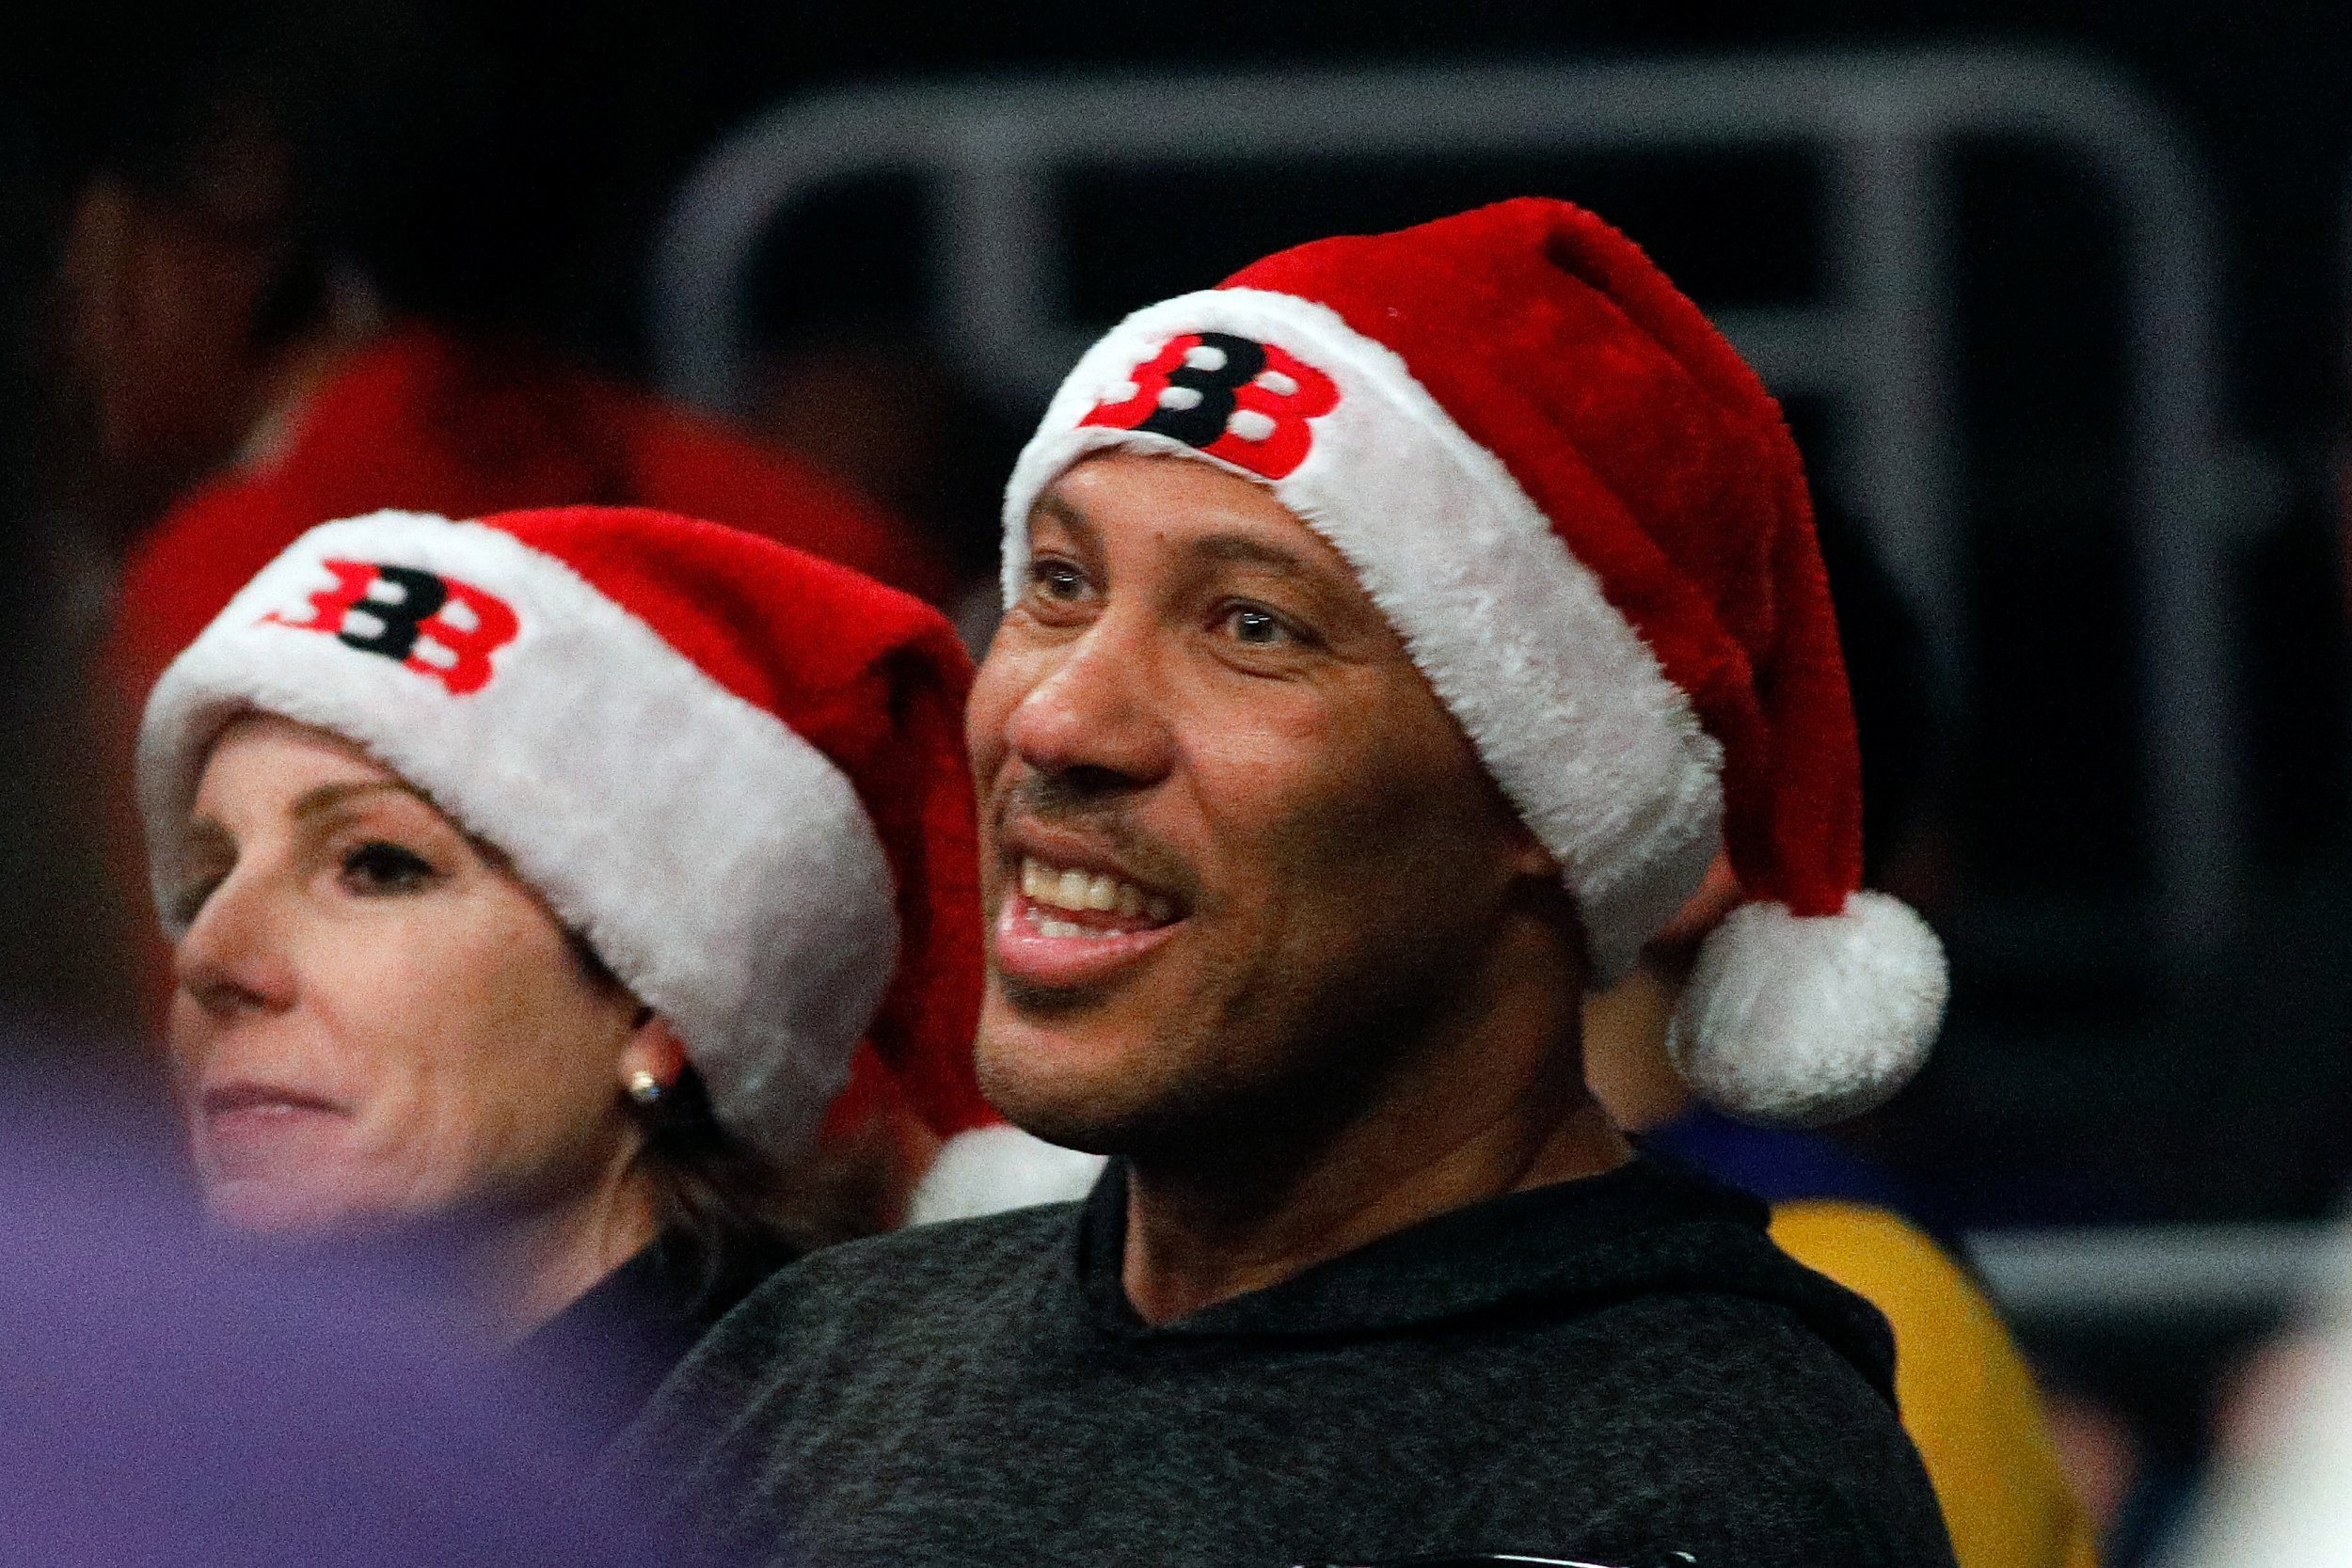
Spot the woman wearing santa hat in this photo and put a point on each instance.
(530, 881)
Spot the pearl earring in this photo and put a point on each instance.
(644, 1090)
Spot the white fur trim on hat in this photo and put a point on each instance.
(989, 1170)
(1600, 752)
(719, 863)
(1798, 1021)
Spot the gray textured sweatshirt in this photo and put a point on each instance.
(1621, 1370)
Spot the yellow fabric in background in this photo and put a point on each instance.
(1966, 1397)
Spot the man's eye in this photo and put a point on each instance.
(1057, 579)
(380, 867)
(1259, 628)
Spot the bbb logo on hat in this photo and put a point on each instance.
(1231, 398)
(422, 621)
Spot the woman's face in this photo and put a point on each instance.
(373, 1020)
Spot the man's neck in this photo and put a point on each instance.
(1203, 1233)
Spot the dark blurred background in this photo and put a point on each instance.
(2102, 679)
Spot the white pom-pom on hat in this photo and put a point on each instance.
(1796, 1021)
(989, 1170)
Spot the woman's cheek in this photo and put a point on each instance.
(188, 1043)
(483, 1043)
(372, 1000)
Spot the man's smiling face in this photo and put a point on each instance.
(1238, 859)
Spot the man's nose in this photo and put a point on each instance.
(1101, 715)
(233, 958)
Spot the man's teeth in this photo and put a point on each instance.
(1047, 925)
(1097, 890)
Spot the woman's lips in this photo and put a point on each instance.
(248, 1124)
(237, 1098)
(1069, 927)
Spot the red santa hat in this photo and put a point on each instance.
(1586, 518)
(737, 770)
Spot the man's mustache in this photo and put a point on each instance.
(1054, 801)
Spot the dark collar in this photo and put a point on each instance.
(601, 1357)
(1639, 1228)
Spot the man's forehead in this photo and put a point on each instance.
(1188, 505)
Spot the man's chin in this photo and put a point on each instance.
(1027, 1000)
(1060, 1113)
(1059, 1097)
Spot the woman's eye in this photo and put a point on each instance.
(191, 900)
(380, 867)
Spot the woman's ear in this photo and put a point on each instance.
(654, 1050)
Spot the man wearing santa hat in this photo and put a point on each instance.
(1396, 634)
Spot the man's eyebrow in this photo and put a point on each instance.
(329, 797)
(1223, 548)
(1239, 549)
(1062, 510)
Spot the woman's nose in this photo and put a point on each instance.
(1099, 712)
(231, 958)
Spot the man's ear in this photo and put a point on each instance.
(1718, 892)
(1528, 858)
(652, 1048)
